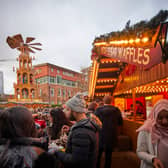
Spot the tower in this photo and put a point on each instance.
(25, 87)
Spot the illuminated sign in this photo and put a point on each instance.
(140, 52)
(145, 57)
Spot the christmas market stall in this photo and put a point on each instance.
(132, 66)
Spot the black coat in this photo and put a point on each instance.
(82, 146)
(111, 118)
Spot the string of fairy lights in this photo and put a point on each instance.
(156, 87)
(123, 42)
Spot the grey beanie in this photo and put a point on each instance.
(77, 103)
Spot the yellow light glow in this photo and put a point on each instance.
(100, 43)
(137, 40)
(145, 39)
(148, 98)
(131, 41)
(111, 42)
(125, 41)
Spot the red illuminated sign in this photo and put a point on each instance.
(144, 57)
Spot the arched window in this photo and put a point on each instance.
(29, 64)
(19, 78)
(31, 78)
(25, 79)
(25, 93)
(18, 93)
(33, 93)
(25, 64)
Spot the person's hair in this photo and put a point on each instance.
(107, 100)
(16, 122)
(101, 103)
(92, 106)
(59, 119)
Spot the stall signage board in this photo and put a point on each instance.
(144, 57)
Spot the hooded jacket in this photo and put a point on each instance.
(82, 146)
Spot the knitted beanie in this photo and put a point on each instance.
(77, 103)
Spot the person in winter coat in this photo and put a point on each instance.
(82, 145)
(17, 129)
(111, 119)
(152, 145)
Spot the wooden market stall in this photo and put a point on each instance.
(134, 70)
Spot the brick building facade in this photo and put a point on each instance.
(56, 84)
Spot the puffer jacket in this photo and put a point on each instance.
(82, 146)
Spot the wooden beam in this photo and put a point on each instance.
(109, 69)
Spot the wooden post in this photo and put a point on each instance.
(113, 102)
(134, 102)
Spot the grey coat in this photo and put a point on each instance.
(146, 151)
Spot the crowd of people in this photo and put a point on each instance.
(76, 135)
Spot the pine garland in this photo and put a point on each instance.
(137, 30)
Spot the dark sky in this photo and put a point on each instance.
(66, 28)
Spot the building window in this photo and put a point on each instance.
(52, 70)
(52, 92)
(40, 92)
(38, 71)
(59, 80)
(58, 71)
(68, 83)
(64, 93)
(68, 74)
(52, 79)
(59, 92)
(69, 93)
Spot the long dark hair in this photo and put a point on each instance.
(16, 122)
(59, 119)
